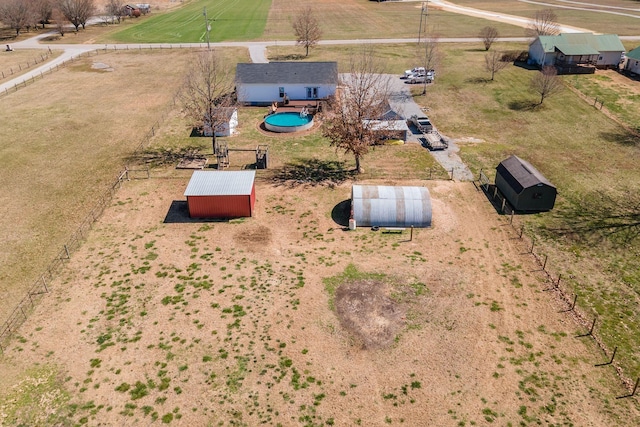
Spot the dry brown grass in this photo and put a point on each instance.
(64, 139)
(18, 62)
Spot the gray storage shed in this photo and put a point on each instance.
(387, 206)
(524, 186)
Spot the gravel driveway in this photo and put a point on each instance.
(402, 103)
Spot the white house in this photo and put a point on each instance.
(263, 84)
(632, 61)
(576, 50)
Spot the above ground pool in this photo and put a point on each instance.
(288, 122)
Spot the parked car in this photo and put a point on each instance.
(421, 122)
(419, 78)
(413, 71)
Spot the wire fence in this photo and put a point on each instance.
(94, 52)
(40, 286)
(43, 57)
(556, 282)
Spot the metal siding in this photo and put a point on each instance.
(219, 206)
(388, 206)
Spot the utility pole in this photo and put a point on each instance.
(207, 26)
(423, 13)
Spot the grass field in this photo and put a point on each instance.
(229, 19)
(607, 23)
(62, 148)
(248, 20)
(13, 64)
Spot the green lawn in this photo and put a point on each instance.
(230, 20)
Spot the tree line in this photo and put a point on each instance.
(21, 15)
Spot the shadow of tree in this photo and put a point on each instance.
(523, 105)
(289, 57)
(478, 80)
(312, 172)
(622, 137)
(165, 156)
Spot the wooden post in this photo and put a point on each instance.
(573, 305)
(610, 361)
(45, 284)
(544, 264)
(558, 282)
(511, 219)
(495, 192)
(635, 387)
(66, 250)
(533, 243)
(411, 236)
(521, 231)
(503, 203)
(590, 330)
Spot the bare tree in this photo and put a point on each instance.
(60, 21)
(77, 12)
(488, 36)
(494, 62)
(363, 97)
(43, 11)
(545, 23)
(429, 55)
(16, 14)
(208, 92)
(115, 8)
(307, 29)
(546, 83)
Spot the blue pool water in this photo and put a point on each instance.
(288, 119)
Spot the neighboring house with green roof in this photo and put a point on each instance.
(577, 52)
(632, 62)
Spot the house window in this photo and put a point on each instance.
(312, 92)
(600, 58)
(281, 90)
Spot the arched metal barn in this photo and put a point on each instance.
(388, 206)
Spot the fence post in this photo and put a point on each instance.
(544, 264)
(45, 284)
(635, 387)
(615, 350)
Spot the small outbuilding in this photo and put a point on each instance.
(632, 61)
(221, 194)
(524, 187)
(389, 206)
(227, 117)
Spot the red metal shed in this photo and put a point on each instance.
(221, 194)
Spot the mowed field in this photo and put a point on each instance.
(272, 20)
(620, 17)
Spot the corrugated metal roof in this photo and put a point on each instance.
(220, 183)
(521, 174)
(575, 42)
(288, 73)
(387, 206)
(576, 49)
(634, 54)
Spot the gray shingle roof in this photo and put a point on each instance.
(288, 73)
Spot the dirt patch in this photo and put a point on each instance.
(366, 310)
(254, 237)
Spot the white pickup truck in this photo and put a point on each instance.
(422, 123)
